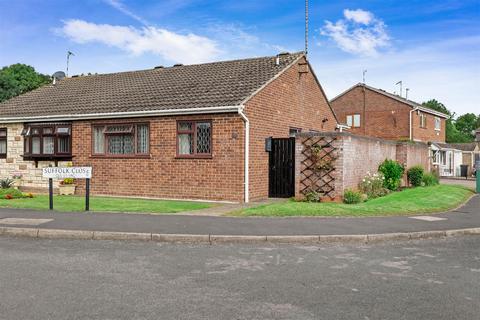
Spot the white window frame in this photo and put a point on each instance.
(349, 120)
(357, 120)
(438, 124)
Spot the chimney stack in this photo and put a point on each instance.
(477, 135)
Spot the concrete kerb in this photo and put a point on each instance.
(212, 239)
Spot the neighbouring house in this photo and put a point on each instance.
(449, 157)
(376, 113)
(185, 132)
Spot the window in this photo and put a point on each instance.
(356, 120)
(3, 143)
(194, 138)
(121, 139)
(292, 132)
(353, 120)
(423, 120)
(350, 121)
(443, 157)
(51, 140)
(438, 124)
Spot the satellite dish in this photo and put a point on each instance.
(59, 75)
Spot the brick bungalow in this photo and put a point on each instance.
(376, 113)
(183, 132)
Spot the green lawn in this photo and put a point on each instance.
(410, 201)
(104, 204)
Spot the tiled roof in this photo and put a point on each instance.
(464, 146)
(217, 84)
(411, 103)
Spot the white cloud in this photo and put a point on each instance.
(183, 48)
(446, 70)
(358, 16)
(358, 33)
(118, 5)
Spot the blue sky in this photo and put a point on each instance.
(432, 46)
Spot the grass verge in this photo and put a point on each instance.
(407, 202)
(104, 204)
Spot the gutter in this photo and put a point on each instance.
(410, 123)
(247, 152)
(129, 114)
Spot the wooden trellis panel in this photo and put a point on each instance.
(318, 166)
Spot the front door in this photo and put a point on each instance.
(282, 168)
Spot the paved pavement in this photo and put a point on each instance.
(467, 216)
(470, 183)
(72, 279)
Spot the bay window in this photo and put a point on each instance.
(3, 143)
(121, 139)
(194, 139)
(51, 140)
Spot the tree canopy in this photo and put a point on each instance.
(19, 78)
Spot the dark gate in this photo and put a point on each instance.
(282, 168)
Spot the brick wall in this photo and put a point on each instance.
(32, 179)
(428, 134)
(384, 117)
(357, 155)
(163, 175)
(294, 99)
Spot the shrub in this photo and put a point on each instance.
(415, 176)
(352, 197)
(372, 185)
(6, 183)
(12, 194)
(430, 179)
(312, 196)
(67, 181)
(393, 172)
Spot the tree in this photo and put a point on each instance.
(467, 124)
(438, 106)
(19, 78)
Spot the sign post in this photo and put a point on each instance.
(50, 193)
(68, 172)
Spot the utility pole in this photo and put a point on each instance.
(69, 53)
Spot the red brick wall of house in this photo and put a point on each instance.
(163, 175)
(428, 134)
(294, 99)
(384, 117)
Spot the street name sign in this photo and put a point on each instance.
(67, 172)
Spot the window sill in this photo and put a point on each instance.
(141, 157)
(46, 157)
(206, 157)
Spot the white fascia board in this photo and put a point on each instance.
(115, 115)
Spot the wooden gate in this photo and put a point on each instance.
(282, 168)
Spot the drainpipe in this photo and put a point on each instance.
(247, 150)
(411, 125)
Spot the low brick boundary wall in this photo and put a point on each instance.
(346, 160)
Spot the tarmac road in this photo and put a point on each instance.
(84, 279)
